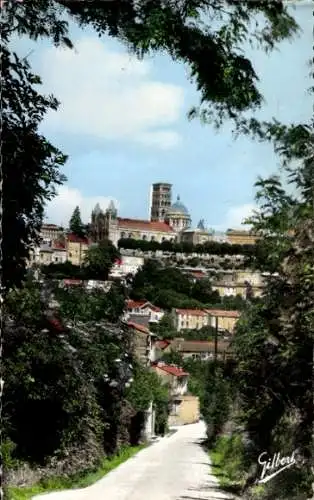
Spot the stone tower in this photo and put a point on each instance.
(111, 224)
(97, 225)
(161, 195)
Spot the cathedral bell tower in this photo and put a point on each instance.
(111, 224)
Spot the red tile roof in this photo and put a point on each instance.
(162, 344)
(191, 312)
(72, 282)
(198, 274)
(171, 370)
(58, 246)
(134, 304)
(138, 327)
(77, 239)
(223, 313)
(144, 225)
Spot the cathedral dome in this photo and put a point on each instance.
(178, 208)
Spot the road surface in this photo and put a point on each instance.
(174, 468)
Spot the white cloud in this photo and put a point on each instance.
(109, 95)
(165, 139)
(60, 209)
(235, 217)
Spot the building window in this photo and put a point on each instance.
(122, 234)
(144, 237)
(153, 238)
(130, 235)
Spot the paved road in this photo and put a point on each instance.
(174, 468)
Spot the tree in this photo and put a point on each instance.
(205, 36)
(78, 304)
(99, 260)
(76, 225)
(30, 163)
(274, 340)
(165, 328)
(202, 291)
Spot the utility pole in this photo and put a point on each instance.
(216, 340)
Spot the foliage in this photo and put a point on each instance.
(228, 462)
(25, 304)
(164, 329)
(62, 270)
(217, 401)
(204, 333)
(45, 363)
(30, 162)
(210, 247)
(77, 304)
(99, 260)
(147, 388)
(172, 358)
(81, 480)
(76, 225)
(168, 288)
(207, 37)
(274, 340)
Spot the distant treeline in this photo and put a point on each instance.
(210, 247)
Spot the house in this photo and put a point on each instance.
(176, 378)
(240, 283)
(144, 343)
(196, 349)
(45, 254)
(76, 249)
(144, 308)
(59, 255)
(189, 319)
(241, 237)
(50, 232)
(144, 347)
(222, 319)
(184, 408)
(126, 265)
(227, 289)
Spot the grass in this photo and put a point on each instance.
(76, 481)
(226, 458)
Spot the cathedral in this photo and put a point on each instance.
(168, 222)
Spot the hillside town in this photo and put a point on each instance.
(156, 250)
(169, 222)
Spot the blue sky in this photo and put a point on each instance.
(123, 124)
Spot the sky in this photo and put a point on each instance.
(123, 123)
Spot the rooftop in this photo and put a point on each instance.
(138, 304)
(73, 238)
(178, 207)
(223, 313)
(162, 344)
(139, 328)
(199, 345)
(171, 369)
(144, 225)
(190, 312)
